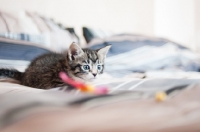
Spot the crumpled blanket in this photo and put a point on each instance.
(26, 109)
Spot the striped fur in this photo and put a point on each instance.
(44, 70)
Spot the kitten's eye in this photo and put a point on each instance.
(99, 67)
(86, 67)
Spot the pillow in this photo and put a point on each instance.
(20, 50)
(90, 33)
(32, 27)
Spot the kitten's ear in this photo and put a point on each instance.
(103, 51)
(74, 51)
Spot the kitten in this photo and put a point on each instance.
(43, 72)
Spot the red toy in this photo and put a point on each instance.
(81, 86)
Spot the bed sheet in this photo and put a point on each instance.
(168, 57)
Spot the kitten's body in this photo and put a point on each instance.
(43, 72)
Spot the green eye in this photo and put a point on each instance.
(86, 67)
(99, 67)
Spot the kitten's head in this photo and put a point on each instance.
(86, 64)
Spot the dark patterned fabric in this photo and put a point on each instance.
(11, 51)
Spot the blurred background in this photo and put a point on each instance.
(177, 20)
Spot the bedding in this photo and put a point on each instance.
(151, 58)
(127, 42)
(91, 33)
(17, 50)
(32, 27)
(33, 107)
(18, 54)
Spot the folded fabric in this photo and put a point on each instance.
(20, 50)
(32, 27)
(66, 112)
(168, 57)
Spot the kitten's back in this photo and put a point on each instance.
(44, 70)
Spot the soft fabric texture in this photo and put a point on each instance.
(32, 27)
(20, 50)
(27, 109)
(92, 33)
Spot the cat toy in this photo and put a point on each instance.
(82, 86)
(162, 95)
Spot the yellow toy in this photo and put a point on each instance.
(160, 96)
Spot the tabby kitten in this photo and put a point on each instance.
(43, 72)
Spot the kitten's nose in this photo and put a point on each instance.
(94, 74)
